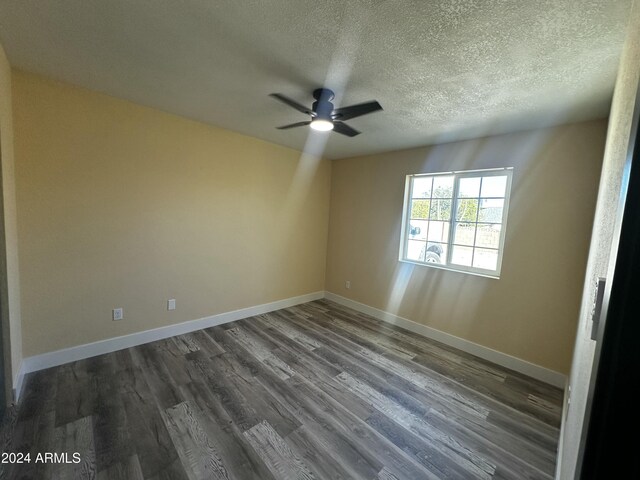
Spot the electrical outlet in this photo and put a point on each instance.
(347, 284)
(171, 304)
(117, 314)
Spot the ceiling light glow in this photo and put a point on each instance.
(322, 125)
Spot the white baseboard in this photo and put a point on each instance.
(527, 368)
(18, 382)
(72, 354)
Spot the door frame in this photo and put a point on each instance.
(613, 410)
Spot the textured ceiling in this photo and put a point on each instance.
(442, 69)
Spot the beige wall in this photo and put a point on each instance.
(9, 274)
(124, 206)
(531, 311)
(608, 211)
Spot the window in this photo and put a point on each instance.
(456, 220)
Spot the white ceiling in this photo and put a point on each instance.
(442, 69)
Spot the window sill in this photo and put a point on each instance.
(450, 269)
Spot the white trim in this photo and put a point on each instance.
(72, 354)
(59, 357)
(543, 374)
(449, 269)
(18, 382)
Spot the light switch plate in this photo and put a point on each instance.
(597, 307)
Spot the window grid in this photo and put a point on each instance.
(475, 228)
(429, 219)
(426, 237)
(454, 223)
(454, 209)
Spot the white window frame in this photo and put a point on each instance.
(406, 213)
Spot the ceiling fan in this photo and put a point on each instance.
(324, 116)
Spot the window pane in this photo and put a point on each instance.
(465, 233)
(440, 210)
(443, 186)
(462, 255)
(488, 235)
(418, 229)
(438, 231)
(487, 259)
(422, 187)
(416, 250)
(494, 186)
(469, 187)
(436, 253)
(420, 209)
(490, 210)
(467, 210)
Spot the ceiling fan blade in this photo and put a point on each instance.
(293, 125)
(291, 103)
(345, 129)
(353, 111)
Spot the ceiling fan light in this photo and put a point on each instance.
(322, 125)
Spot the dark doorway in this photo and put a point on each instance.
(611, 447)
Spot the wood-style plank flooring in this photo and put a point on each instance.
(316, 391)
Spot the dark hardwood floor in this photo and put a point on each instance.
(314, 391)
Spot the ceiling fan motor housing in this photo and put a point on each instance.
(323, 107)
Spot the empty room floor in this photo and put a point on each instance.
(313, 391)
